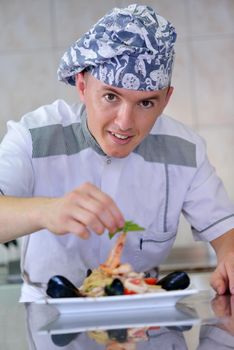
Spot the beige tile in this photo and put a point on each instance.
(27, 81)
(76, 17)
(68, 15)
(220, 146)
(24, 24)
(211, 16)
(175, 12)
(184, 235)
(213, 65)
(180, 105)
(63, 91)
(66, 92)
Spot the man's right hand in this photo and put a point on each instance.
(85, 208)
(80, 210)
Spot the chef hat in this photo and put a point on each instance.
(130, 48)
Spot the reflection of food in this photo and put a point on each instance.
(117, 346)
(99, 336)
(119, 339)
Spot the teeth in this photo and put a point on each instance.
(120, 136)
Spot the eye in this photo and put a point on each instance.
(146, 104)
(110, 97)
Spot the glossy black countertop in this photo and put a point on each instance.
(200, 321)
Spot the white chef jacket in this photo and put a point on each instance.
(51, 152)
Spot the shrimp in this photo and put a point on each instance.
(113, 260)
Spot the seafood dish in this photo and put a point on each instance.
(115, 278)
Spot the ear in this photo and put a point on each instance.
(81, 85)
(168, 95)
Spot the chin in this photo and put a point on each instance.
(117, 154)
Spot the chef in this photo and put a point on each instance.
(69, 174)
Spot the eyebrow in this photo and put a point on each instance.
(152, 97)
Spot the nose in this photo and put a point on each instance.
(125, 117)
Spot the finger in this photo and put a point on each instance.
(107, 203)
(88, 219)
(232, 305)
(221, 305)
(95, 214)
(102, 207)
(230, 274)
(218, 282)
(78, 229)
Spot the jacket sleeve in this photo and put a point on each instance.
(207, 206)
(16, 171)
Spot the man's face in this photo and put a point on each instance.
(118, 118)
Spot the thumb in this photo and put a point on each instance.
(218, 282)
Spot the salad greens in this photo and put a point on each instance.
(128, 226)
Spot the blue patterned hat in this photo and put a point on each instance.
(130, 48)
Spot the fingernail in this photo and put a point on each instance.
(121, 223)
(217, 289)
(85, 235)
(220, 290)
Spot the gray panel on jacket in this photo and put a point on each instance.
(167, 149)
(56, 139)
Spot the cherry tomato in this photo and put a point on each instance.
(154, 328)
(128, 292)
(150, 280)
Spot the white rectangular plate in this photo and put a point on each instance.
(178, 315)
(121, 302)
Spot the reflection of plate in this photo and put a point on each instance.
(179, 315)
(121, 302)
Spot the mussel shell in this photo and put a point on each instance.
(119, 335)
(63, 339)
(182, 328)
(88, 273)
(60, 287)
(175, 280)
(115, 288)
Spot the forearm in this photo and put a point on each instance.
(20, 216)
(224, 245)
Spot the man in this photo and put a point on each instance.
(69, 174)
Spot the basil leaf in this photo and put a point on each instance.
(128, 227)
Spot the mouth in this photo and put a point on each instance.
(120, 138)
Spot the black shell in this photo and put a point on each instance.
(63, 339)
(119, 335)
(175, 280)
(60, 287)
(115, 288)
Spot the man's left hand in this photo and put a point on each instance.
(222, 279)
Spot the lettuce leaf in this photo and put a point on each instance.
(128, 227)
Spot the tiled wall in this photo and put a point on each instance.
(34, 34)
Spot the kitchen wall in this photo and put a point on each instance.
(34, 34)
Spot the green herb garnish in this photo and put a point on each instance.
(128, 226)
